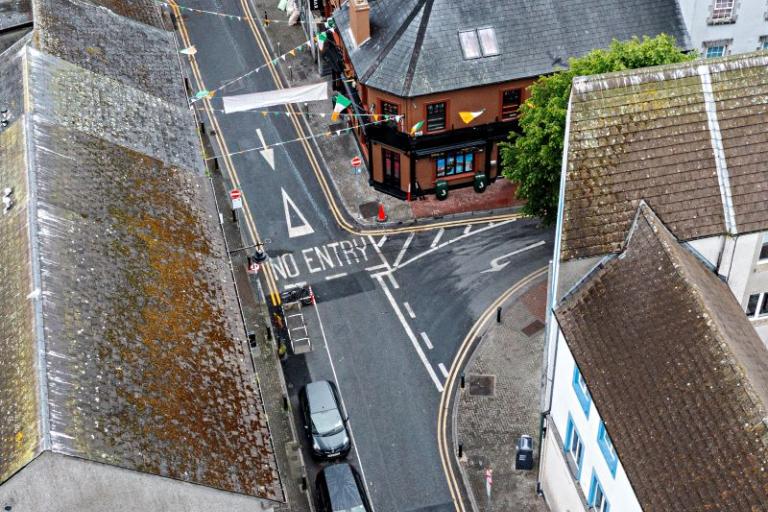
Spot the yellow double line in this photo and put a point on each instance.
(228, 165)
(465, 350)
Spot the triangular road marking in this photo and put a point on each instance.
(294, 231)
(268, 153)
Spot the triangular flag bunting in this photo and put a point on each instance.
(468, 117)
(342, 103)
(375, 117)
(416, 128)
(292, 53)
(264, 113)
(189, 51)
(211, 94)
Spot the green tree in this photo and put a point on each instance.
(533, 158)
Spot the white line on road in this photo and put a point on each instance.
(427, 342)
(343, 405)
(376, 267)
(443, 370)
(293, 231)
(468, 229)
(410, 334)
(449, 242)
(438, 236)
(268, 153)
(392, 280)
(496, 266)
(409, 310)
(335, 276)
(295, 285)
(402, 251)
(381, 242)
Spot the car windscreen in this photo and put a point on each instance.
(326, 423)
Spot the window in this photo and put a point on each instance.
(606, 446)
(488, 42)
(459, 162)
(389, 109)
(763, 43)
(757, 303)
(391, 161)
(752, 304)
(435, 117)
(470, 46)
(479, 43)
(718, 48)
(582, 393)
(715, 51)
(573, 446)
(510, 102)
(764, 248)
(597, 499)
(722, 11)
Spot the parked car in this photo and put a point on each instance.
(324, 421)
(340, 489)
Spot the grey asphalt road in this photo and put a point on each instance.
(392, 311)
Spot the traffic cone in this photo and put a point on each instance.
(382, 217)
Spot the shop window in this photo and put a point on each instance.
(510, 103)
(451, 164)
(391, 160)
(435, 117)
(389, 109)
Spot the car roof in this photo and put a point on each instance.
(320, 396)
(342, 486)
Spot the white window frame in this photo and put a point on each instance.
(721, 13)
(491, 51)
(470, 35)
(762, 300)
(579, 452)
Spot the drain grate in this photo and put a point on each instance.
(369, 210)
(482, 385)
(533, 327)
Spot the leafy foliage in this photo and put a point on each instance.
(533, 158)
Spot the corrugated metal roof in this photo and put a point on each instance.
(677, 373)
(534, 38)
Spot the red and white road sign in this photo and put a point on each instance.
(237, 198)
(488, 482)
(356, 162)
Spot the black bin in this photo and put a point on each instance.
(524, 455)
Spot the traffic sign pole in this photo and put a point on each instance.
(237, 202)
(356, 163)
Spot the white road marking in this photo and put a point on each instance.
(295, 285)
(438, 236)
(411, 336)
(496, 266)
(392, 280)
(268, 153)
(335, 276)
(427, 342)
(404, 248)
(381, 241)
(468, 229)
(443, 370)
(409, 310)
(294, 231)
(343, 405)
(449, 242)
(376, 267)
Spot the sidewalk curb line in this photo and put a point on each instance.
(448, 399)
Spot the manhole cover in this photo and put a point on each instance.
(482, 385)
(533, 327)
(369, 210)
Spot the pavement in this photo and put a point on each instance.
(353, 189)
(500, 402)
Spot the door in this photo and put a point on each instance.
(391, 163)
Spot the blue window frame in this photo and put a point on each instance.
(597, 499)
(573, 446)
(606, 446)
(582, 393)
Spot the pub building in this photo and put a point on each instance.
(462, 69)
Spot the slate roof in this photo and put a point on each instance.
(418, 39)
(646, 134)
(121, 338)
(14, 13)
(677, 373)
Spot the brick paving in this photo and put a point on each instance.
(488, 426)
(499, 195)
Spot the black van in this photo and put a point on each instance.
(340, 489)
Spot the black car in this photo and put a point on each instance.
(324, 422)
(340, 489)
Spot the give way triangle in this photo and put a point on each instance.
(293, 231)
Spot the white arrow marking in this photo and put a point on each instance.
(496, 266)
(294, 231)
(268, 153)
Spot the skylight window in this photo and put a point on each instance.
(469, 44)
(488, 42)
(479, 43)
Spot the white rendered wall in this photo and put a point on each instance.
(617, 489)
(708, 248)
(745, 32)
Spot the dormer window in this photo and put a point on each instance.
(478, 43)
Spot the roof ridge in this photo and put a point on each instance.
(395, 38)
(417, 47)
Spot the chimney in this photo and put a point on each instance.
(359, 20)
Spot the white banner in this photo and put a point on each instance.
(243, 102)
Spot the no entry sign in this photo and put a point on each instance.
(237, 198)
(356, 162)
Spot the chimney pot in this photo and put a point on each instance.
(359, 20)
